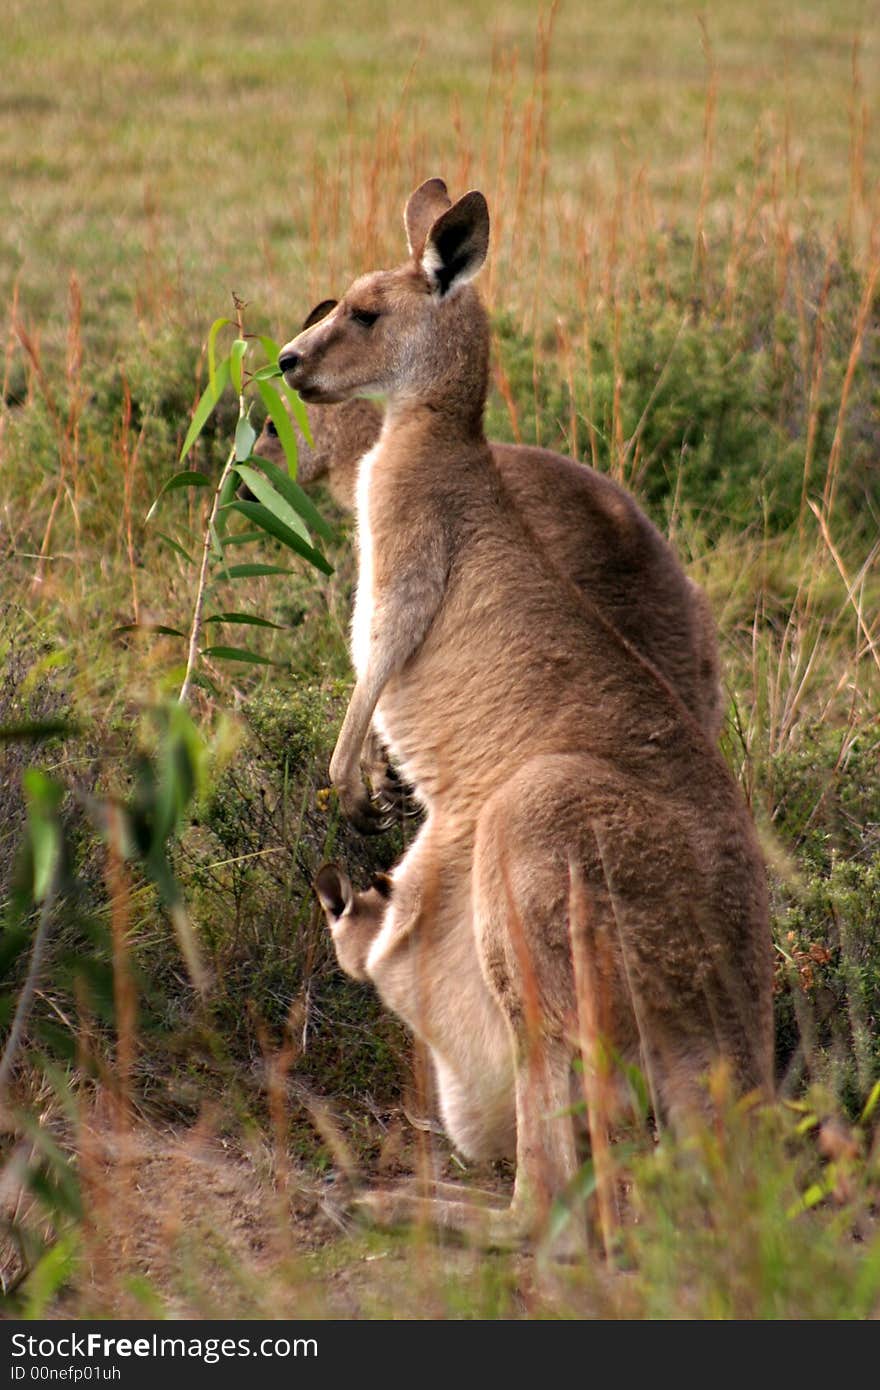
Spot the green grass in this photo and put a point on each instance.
(681, 290)
(161, 150)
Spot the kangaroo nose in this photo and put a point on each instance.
(288, 361)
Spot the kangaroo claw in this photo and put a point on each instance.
(397, 797)
(367, 814)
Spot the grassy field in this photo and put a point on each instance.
(684, 292)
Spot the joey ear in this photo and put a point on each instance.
(456, 245)
(422, 210)
(383, 884)
(319, 312)
(333, 887)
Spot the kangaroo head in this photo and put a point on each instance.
(341, 435)
(417, 333)
(353, 918)
(334, 891)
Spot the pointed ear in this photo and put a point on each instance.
(333, 887)
(383, 884)
(319, 312)
(421, 212)
(456, 245)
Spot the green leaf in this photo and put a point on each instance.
(870, 1103)
(35, 729)
(96, 978)
(42, 791)
(13, 939)
(212, 342)
(276, 503)
(209, 398)
(175, 545)
(261, 515)
(254, 571)
(271, 349)
(245, 434)
(227, 492)
(202, 679)
(578, 1189)
(59, 1040)
(52, 1271)
(815, 1193)
(165, 787)
(242, 618)
(638, 1088)
(236, 357)
(238, 654)
(41, 1137)
(300, 413)
(170, 679)
(50, 662)
(243, 538)
(43, 797)
(267, 373)
(185, 479)
(295, 496)
(149, 627)
(281, 420)
(216, 540)
(806, 1124)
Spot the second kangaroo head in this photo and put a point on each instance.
(415, 334)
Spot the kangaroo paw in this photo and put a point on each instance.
(368, 814)
(398, 797)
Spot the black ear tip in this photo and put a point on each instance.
(383, 884)
(476, 204)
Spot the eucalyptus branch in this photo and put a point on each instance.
(275, 506)
(198, 612)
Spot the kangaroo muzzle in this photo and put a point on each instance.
(289, 361)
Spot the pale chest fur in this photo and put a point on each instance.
(362, 616)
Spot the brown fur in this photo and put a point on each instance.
(551, 756)
(591, 529)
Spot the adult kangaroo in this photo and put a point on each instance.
(557, 765)
(591, 528)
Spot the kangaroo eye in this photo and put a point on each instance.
(364, 316)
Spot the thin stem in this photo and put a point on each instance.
(26, 998)
(210, 537)
(196, 630)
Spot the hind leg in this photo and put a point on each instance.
(521, 928)
(546, 936)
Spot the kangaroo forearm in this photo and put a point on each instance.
(400, 618)
(344, 765)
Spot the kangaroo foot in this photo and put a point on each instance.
(437, 1189)
(475, 1217)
